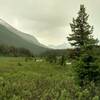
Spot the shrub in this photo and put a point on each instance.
(87, 70)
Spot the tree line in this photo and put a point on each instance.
(6, 50)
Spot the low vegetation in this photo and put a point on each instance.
(34, 80)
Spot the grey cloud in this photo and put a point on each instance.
(48, 20)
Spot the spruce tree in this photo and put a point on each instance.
(82, 39)
(81, 36)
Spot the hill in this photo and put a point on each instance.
(13, 37)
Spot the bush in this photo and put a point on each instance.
(87, 70)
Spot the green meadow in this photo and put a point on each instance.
(22, 79)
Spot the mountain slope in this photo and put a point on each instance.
(13, 37)
(25, 36)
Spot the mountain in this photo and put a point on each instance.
(61, 46)
(13, 37)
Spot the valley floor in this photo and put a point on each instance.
(22, 79)
(27, 79)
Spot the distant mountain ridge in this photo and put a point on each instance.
(26, 36)
(61, 46)
(13, 37)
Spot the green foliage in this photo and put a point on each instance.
(14, 52)
(41, 81)
(33, 80)
(87, 70)
(96, 98)
(90, 92)
(51, 58)
(63, 61)
(81, 30)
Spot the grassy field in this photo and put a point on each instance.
(26, 79)
(15, 67)
(30, 80)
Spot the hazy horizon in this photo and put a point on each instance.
(48, 20)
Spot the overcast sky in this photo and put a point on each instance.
(48, 20)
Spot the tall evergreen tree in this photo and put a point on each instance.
(82, 39)
(81, 31)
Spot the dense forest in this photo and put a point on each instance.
(14, 51)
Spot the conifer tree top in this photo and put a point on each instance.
(81, 30)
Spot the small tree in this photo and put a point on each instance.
(83, 41)
(63, 60)
(51, 58)
(87, 70)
